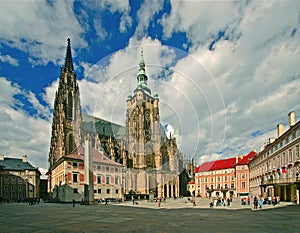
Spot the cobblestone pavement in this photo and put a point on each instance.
(173, 216)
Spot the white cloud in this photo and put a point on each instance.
(22, 134)
(147, 10)
(113, 6)
(49, 93)
(7, 58)
(40, 28)
(200, 20)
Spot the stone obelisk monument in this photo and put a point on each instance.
(88, 173)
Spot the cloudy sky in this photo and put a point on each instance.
(226, 72)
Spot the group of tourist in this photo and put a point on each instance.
(218, 201)
(260, 201)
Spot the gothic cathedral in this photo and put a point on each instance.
(151, 161)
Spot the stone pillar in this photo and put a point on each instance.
(88, 173)
(167, 185)
(147, 184)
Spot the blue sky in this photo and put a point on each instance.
(227, 72)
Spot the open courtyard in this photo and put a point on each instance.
(172, 216)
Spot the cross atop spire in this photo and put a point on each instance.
(68, 60)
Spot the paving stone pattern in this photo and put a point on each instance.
(173, 216)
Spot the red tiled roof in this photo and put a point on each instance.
(246, 159)
(97, 156)
(225, 163)
(216, 165)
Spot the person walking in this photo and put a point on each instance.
(255, 203)
(73, 203)
(260, 203)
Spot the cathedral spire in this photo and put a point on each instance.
(68, 60)
(142, 77)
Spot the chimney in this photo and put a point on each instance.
(280, 129)
(1, 157)
(291, 118)
(271, 140)
(24, 158)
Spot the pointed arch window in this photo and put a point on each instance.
(69, 80)
(70, 143)
(70, 106)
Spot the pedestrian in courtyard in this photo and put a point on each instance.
(73, 203)
(255, 202)
(106, 201)
(228, 201)
(260, 203)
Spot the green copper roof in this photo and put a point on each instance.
(102, 127)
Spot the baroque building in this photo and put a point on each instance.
(150, 160)
(224, 178)
(274, 172)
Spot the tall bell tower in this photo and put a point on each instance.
(66, 125)
(143, 124)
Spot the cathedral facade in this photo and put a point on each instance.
(150, 161)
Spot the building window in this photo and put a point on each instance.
(75, 176)
(116, 170)
(297, 152)
(290, 156)
(243, 176)
(243, 185)
(107, 169)
(117, 191)
(116, 180)
(95, 191)
(75, 190)
(205, 180)
(98, 179)
(212, 186)
(98, 167)
(74, 164)
(232, 177)
(219, 186)
(283, 159)
(225, 178)
(219, 179)
(211, 179)
(226, 186)
(108, 191)
(99, 190)
(232, 185)
(107, 180)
